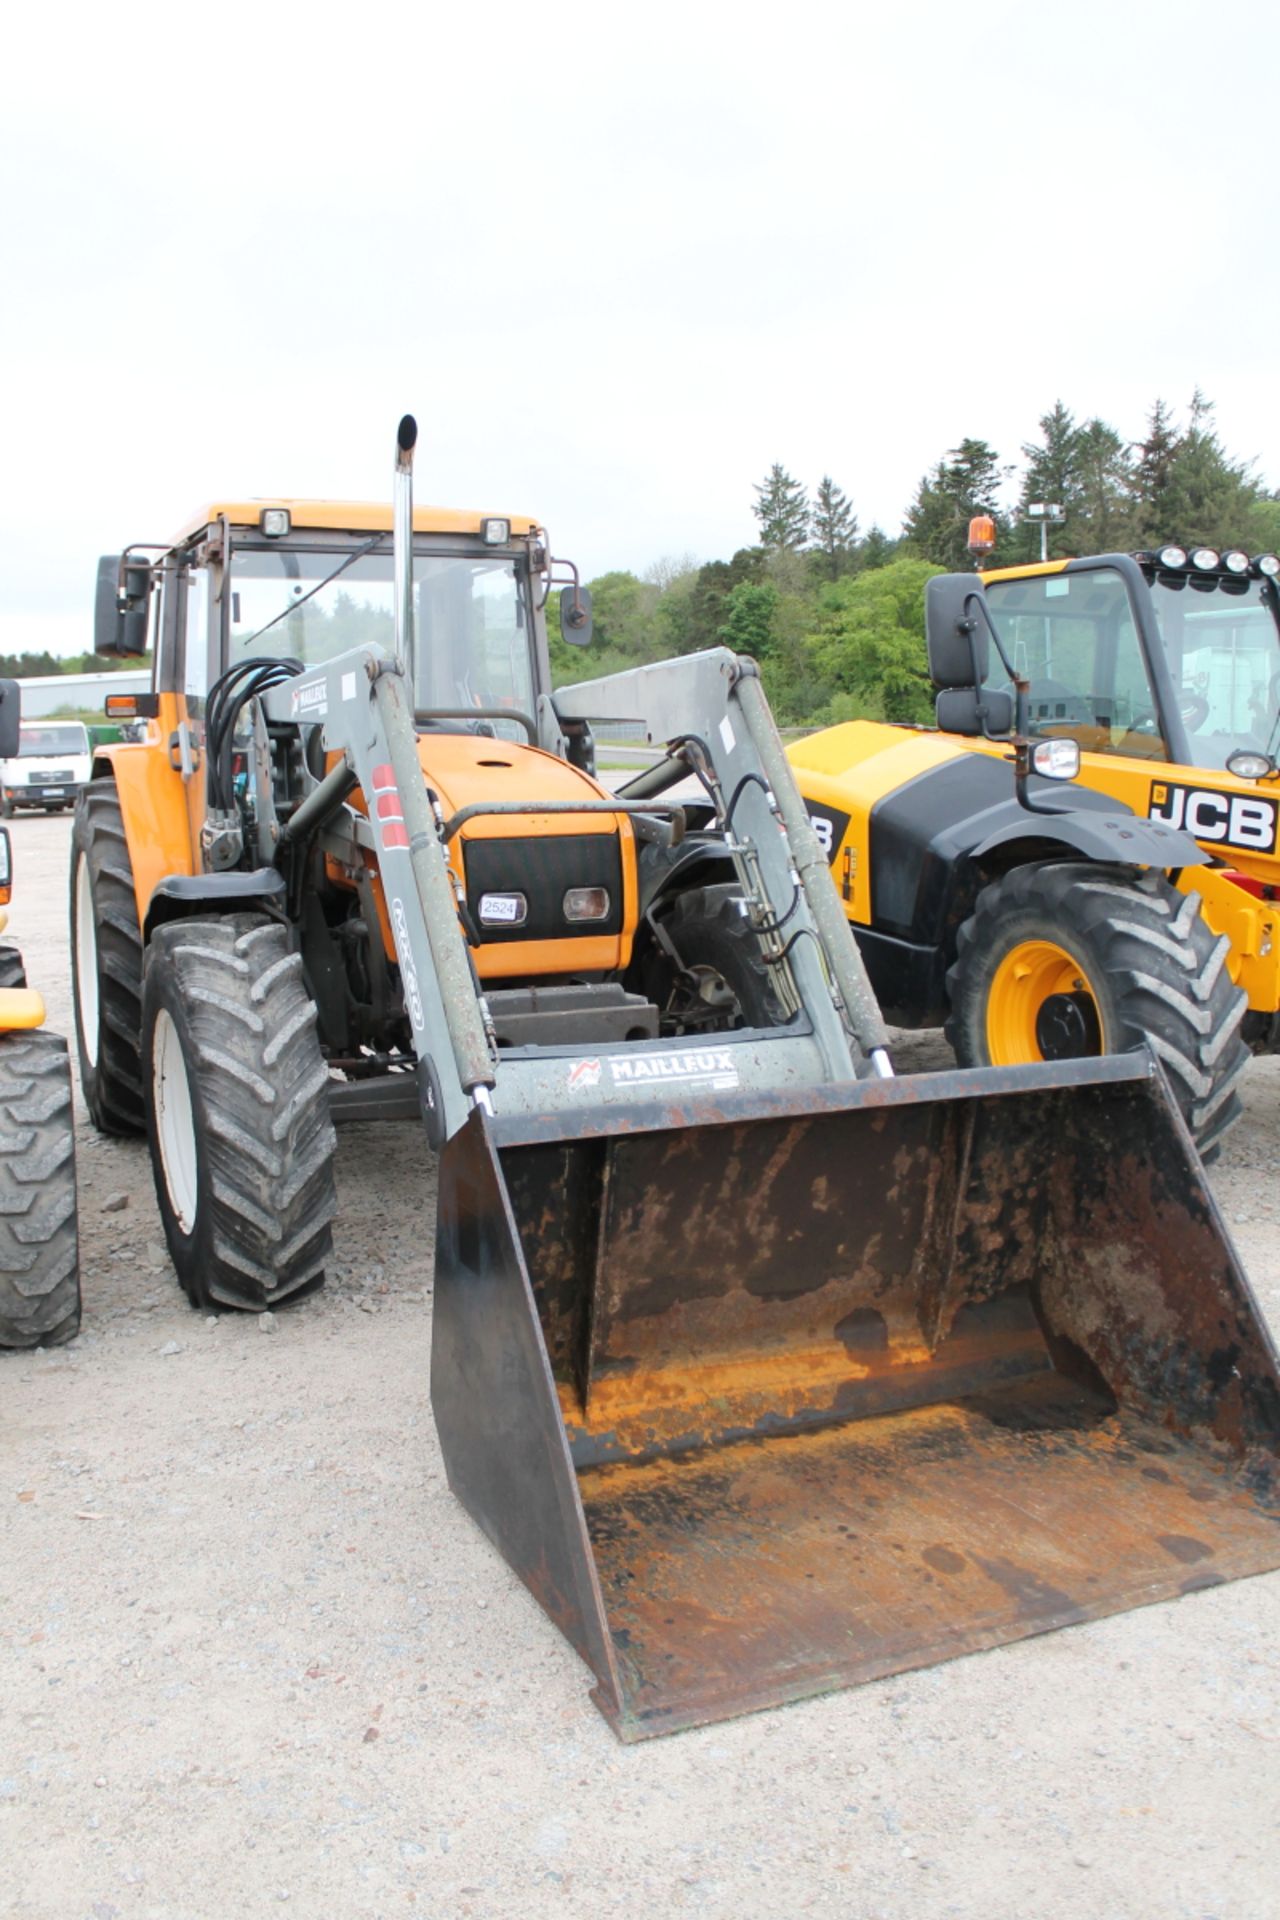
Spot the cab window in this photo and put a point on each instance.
(1073, 636)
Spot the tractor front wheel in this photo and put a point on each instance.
(709, 975)
(237, 1112)
(1064, 962)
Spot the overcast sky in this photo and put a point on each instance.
(617, 260)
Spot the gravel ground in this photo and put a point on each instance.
(253, 1656)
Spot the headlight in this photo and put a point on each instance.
(1235, 561)
(495, 533)
(1206, 559)
(1269, 564)
(1172, 556)
(586, 903)
(1249, 766)
(503, 909)
(274, 522)
(1056, 759)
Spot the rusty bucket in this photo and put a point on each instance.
(774, 1397)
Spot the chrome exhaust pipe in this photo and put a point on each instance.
(406, 438)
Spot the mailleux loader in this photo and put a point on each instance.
(766, 1370)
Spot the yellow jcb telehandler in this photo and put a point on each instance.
(767, 1370)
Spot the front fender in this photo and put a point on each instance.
(153, 803)
(1118, 838)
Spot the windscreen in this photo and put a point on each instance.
(472, 629)
(1223, 647)
(46, 743)
(1074, 637)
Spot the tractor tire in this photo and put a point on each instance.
(12, 971)
(724, 982)
(39, 1245)
(237, 1112)
(1062, 962)
(106, 962)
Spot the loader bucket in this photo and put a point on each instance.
(774, 1396)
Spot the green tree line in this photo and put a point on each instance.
(34, 666)
(835, 615)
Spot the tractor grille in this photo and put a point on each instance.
(543, 870)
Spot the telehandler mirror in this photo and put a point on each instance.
(575, 615)
(10, 711)
(955, 631)
(976, 712)
(122, 606)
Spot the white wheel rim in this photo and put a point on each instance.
(86, 961)
(175, 1123)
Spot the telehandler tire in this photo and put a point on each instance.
(724, 983)
(237, 1112)
(106, 962)
(1060, 962)
(39, 1245)
(12, 971)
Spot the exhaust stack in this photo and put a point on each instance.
(406, 439)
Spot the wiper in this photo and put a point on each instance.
(328, 580)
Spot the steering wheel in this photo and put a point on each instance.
(1193, 707)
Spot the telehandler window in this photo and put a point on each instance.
(1073, 635)
(1223, 648)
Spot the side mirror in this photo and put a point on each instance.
(10, 712)
(122, 606)
(965, 710)
(575, 615)
(957, 640)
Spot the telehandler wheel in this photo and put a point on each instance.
(106, 962)
(1060, 962)
(237, 1112)
(12, 971)
(39, 1247)
(724, 982)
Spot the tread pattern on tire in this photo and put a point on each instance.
(12, 971)
(707, 927)
(259, 1076)
(39, 1247)
(1166, 967)
(112, 1087)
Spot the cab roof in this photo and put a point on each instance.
(348, 516)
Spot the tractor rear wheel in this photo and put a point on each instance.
(1062, 962)
(12, 971)
(39, 1246)
(237, 1112)
(106, 962)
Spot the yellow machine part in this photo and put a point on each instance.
(850, 768)
(20, 1009)
(467, 770)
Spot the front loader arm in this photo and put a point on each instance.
(361, 703)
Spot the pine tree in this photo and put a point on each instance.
(834, 529)
(1052, 478)
(876, 550)
(782, 508)
(1105, 503)
(1153, 471)
(1209, 496)
(966, 483)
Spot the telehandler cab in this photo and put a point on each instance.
(766, 1370)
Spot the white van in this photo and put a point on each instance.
(52, 765)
